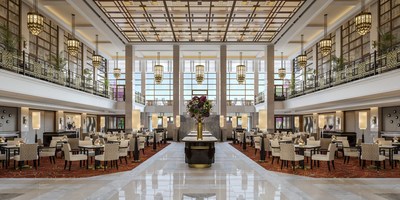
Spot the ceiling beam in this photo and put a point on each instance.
(169, 19)
(229, 20)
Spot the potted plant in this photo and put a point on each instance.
(385, 42)
(58, 62)
(9, 43)
(87, 75)
(338, 65)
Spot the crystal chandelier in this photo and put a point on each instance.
(199, 71)
(282, 70)
(325, 45)
(96, 58)
(35, 20)
(72, 43)
(363, 21)
(302, 58)
(117, 71)
(158, 70)
(241, 72)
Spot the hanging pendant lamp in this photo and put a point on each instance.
(35, 20)
(72, 43)
(199, 71)
(363, 21)
(302, 58)
(117, 71)
(96, 58)
(282, 70)
(325, 45)
(241, 72)
(158, 71)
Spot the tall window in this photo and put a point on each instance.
(237, 92)
(74, 63)
(389, 18)
(354, 45)
(324, 62)
(9, 15)
(209, 84)
(45, 44)
(164, 90)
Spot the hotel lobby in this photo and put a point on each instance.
(199, 100)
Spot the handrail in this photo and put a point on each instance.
(367, 66)
(32, 66)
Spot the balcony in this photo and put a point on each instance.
(280, 94)
(118, 94)
(28, 65)
(368, 66)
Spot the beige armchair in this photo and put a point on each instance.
(371, 152)
(329, 157)
(288, 154)
(111, 153)
(69, 157)
(27, 152)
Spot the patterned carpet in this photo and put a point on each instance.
(48, 170)
(350, 170)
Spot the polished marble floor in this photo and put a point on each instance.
(166, 176)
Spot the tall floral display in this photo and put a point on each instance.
(199, 108)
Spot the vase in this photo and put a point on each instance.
(199, 130)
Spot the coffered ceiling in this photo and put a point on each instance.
(199, 21)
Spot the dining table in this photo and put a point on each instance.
(96, 148)
(302, 148)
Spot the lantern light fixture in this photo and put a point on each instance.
(35, 20)
(117, 71)
(302, 58)
(282, 70)
(363, 21)
(325, 45)
(241, 71)
(158, 70)
(72, 43)
(96, 58)
(199, 71)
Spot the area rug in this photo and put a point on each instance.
(48, 170)
(350, 170)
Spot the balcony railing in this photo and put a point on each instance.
(280, 94)
(119, 94)
(370, 65)
(28, 65)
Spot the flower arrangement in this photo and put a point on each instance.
(199, 108)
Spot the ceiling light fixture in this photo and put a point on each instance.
(282, 70)
(241, 72)
(363, 21)
(96, 58)
(72, 43)
(302, 58)
(35, 20)
(117, 71)
(158, 70)
(325, 45)
(199, 71)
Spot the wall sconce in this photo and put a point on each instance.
(234, 121)
(36, 123)
(245, 119)
(221, 121)
(154, 121)
(178, 121)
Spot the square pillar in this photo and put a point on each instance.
(129, 87)
(269, 87)
(222, 77)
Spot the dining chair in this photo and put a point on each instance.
(308, 153)
(329, 157)
(111, 154)
(349, 152)
(257, 144)
(69, 157)
(288, 154)
(324, 142)
(142, 140)
(275, 150)
(123, 150)
(27, 152)
(49, 152)
(371, 152)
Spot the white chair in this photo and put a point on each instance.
(275, 149)
(87, 138)
(69, 157)
(142, 140)
(27, 152)
(371, 152)
(288, 154)
(329, 157)
(111, 153)
(49, 152)
(349, 152)
(308, 152)
(123, 150)
(91, 153)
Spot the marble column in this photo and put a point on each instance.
(222, 77)
(129, 87)
(269, 87)
(176, 79)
